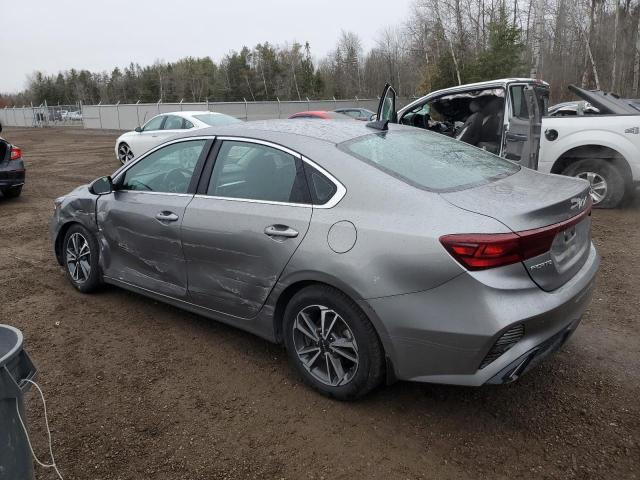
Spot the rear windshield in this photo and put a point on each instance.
(429, 160)
(216, 120)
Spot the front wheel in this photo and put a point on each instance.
(332, 343)
(80, 255)
(608, 186)
(125, 153)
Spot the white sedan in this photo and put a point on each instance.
(132, 144)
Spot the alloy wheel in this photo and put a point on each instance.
(598, 184)
(325, 345)
(124, 153)
(78, 258)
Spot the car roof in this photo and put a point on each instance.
(298, 130)
(183, 113)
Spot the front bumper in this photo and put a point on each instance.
(442, 335)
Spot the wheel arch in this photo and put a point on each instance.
(294, 284)
(593, 151)
(292, 287)
(57, 243)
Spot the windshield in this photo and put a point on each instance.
(216, 119)
(429, 160)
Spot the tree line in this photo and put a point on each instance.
(592, 43)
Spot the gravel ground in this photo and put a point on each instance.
(140, 390)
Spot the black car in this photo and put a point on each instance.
(12, 171)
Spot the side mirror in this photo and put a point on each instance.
(138, 129)
(101, 186)
(373, 117)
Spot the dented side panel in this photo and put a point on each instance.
(136, 247)
(232, 263)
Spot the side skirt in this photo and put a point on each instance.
(258, 325)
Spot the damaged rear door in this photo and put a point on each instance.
(251, 212)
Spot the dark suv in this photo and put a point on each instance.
(12, 171)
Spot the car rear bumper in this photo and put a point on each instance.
(12, 178)
(443, 335)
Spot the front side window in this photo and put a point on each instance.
(257, 172)
(167, 170)
(154, 124)
(172, 123)
(429, 160)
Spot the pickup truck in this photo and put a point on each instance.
(508, 116)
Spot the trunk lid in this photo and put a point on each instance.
(530, 203)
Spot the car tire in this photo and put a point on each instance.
(610, 186)
(12, 192)
(80, 259)
(348, 336)
(125, 154)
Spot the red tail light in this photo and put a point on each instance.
(479, 251)
(16, 153)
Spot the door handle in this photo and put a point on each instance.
(280, 231)
(166, 216)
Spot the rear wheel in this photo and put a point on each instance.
(80, 259)
(12, 192)
(332, 343)
(607, 183)
(125, 153)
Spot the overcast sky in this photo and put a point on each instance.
(53, 35)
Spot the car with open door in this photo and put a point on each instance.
(510, 118)
(373, 252)
(500, 116)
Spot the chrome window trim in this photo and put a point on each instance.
(250, 200)
(333, 201)
(172, 194)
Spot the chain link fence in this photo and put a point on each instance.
(42, 116)
(129, 116)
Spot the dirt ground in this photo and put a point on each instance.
(140, 390)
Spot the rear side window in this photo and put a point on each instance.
(321, 188)
(252, 171)
(429, 160)
(519, 101)
(172, 123)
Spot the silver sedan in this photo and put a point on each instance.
(373, 252)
